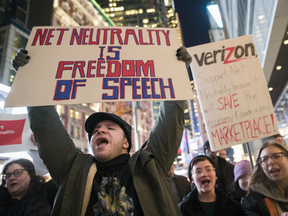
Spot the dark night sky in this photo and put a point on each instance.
(194, 21)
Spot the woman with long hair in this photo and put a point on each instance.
(206, 199)
(22, 192)
(268, 185)
(239, 187)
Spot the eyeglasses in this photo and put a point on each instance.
(275, 157)
(200, 171)
(16, 173)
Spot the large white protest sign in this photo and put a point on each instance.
(72, 65)
(233, 93)
(15, 133)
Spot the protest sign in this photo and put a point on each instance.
(233, 93)
(72, 65)
(15, 133)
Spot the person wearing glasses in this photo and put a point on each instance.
(23, 193)
(268, 185)
(206, 199)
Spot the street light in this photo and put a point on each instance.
(215, 12)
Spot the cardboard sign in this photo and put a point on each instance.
(233, 93)
(73, 65)
(15, 133)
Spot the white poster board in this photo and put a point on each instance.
(233, 92)
(15, 133)
(74, 65)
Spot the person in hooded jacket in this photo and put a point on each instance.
(239, 187)
(206, 199)
(268, 185)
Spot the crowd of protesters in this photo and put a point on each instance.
(111, 182)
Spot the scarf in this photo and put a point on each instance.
(110, 183)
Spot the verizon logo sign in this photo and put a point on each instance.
(226, 55)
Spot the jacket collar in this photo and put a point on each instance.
(259, 188)
(141, 154)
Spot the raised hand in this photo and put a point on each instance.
(21, 58)
(183, 55)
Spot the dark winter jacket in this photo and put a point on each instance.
(180, 186)
(225, 175)
(38, 205)
(262, 201)
(237, 194)
(73, 171)
(225, 205)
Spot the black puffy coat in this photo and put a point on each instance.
(38, 205)
(225, 205)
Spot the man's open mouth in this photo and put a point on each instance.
(101, 140)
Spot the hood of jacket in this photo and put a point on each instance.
(259, 188)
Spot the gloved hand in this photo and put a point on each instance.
(183, 55)
(21, 58)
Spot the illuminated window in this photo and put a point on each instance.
(86, 116)
(140, 11)
(77, 115)
(77, 133)
(152, 10)
(71, 113)
(145, 20)
(59, 109)
(19, 41)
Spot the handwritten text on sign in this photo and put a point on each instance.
(108, 63)
(233, 93)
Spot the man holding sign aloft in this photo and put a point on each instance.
(111, 182)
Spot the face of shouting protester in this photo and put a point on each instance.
(17, 186)
(108, 141)
(274, 163)
(204, 176)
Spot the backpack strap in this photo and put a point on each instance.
(271, 206)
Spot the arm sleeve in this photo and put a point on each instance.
(51, 192)
(56, 148)
(166, 135)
